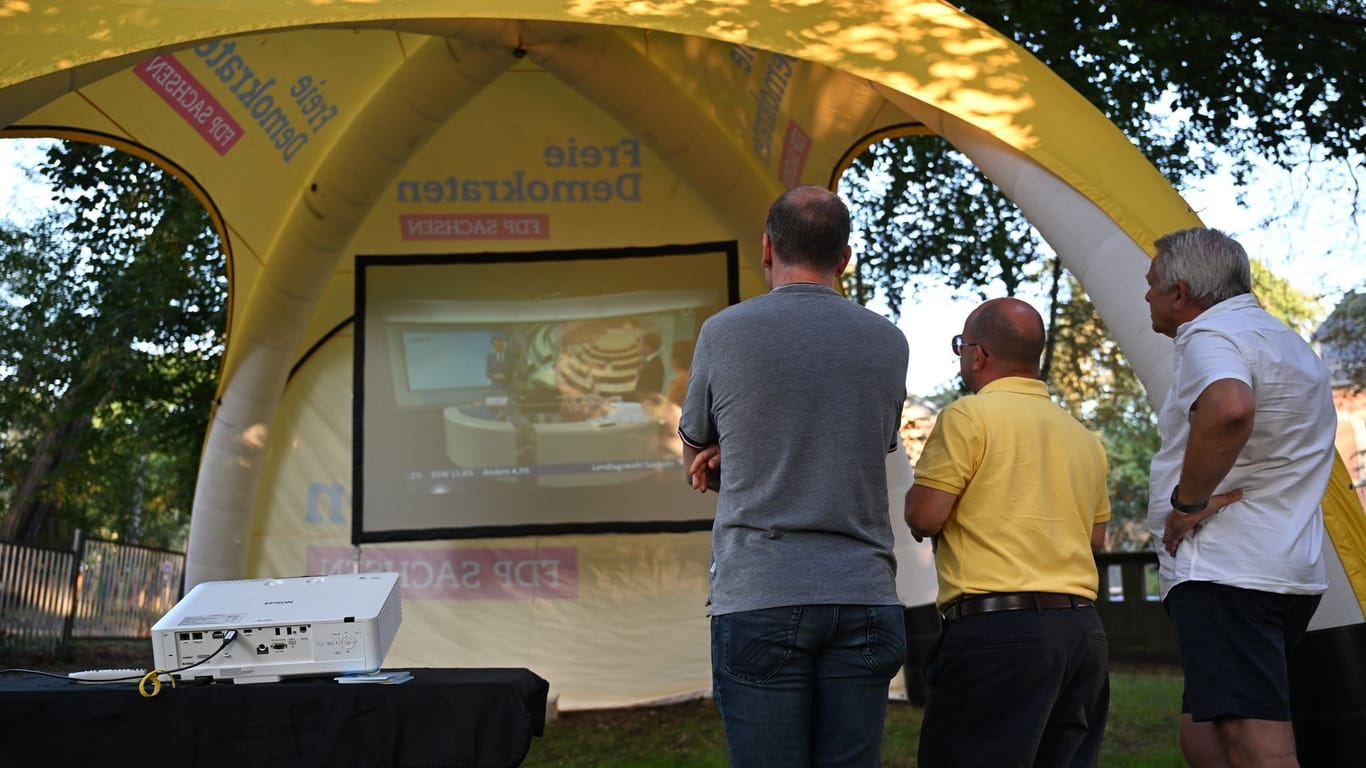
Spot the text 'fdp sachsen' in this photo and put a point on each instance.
(594, 176)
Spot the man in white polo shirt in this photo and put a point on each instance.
(1234, 497)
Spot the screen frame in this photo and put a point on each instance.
(729, 250)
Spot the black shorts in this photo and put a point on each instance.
(1235, 645)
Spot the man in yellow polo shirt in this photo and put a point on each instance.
(1012, 490)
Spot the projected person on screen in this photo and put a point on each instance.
(496, 365)
(650, 375)
(680, 359)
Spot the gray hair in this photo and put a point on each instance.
(1213, 265)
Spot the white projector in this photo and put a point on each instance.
(260, 630)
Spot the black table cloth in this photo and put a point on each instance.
(446, 718)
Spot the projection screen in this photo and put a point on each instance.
(511, 394)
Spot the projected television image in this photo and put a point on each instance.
(516, 396)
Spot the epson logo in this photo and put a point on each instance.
(279, 602)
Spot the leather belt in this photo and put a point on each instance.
(973, 605)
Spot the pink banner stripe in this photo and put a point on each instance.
(474, 226)
(191, 101)
(463, 574)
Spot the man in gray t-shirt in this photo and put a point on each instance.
(800, 390)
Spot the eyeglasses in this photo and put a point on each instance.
(958, 345)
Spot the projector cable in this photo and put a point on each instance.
(153, 678)
(149, 684)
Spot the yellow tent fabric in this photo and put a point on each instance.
(328, 136)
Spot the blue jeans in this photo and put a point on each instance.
(806, 685)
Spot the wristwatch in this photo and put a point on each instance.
(1188, 509)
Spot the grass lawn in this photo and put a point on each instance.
(1144, 703)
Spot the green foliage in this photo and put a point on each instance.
(920, 206)
(1251, 77)
(110, 337)
(1277, 296)
(1089, 373)
(684, 734)
(1190, 83)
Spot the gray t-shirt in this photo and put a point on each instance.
(803, 390)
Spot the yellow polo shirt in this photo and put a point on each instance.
(1030, 482)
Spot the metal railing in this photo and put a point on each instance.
(35, 596)
(97, 590)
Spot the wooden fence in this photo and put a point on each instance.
(1130, 607)
(98, 590)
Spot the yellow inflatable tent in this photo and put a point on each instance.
(412, 192)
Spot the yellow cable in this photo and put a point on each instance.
(155, 677)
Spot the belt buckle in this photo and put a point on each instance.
(952, 612)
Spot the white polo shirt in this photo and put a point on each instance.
(1272, 540)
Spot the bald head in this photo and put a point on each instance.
(808, 226)
(1012, 333)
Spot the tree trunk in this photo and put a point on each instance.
(29, 506)
(1053, 312)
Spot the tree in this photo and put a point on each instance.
(920, 206)
(1246, 79)
(112, 310)
(1189, 82)
(1253, 77)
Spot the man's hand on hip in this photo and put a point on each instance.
(1180, 525)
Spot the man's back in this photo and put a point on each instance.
(1025, 472)
(1282, 469)
(806, 389)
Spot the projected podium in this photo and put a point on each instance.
(625, 444)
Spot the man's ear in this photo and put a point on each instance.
(979, 357)
(844, 260)
(1181, 296)
(766, 260)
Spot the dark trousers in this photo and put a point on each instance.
(1017, 688)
